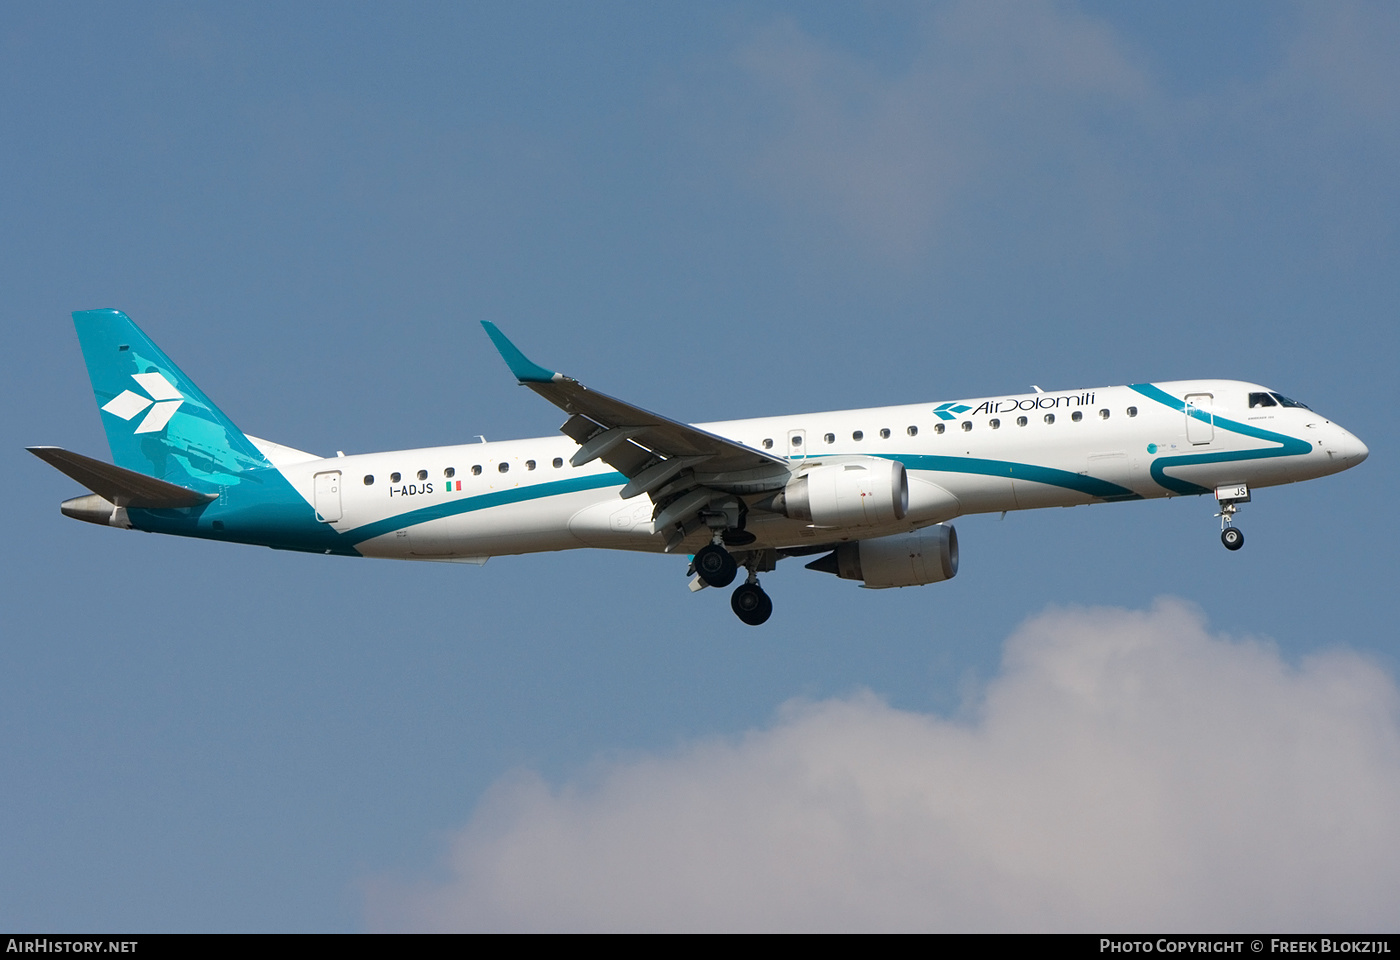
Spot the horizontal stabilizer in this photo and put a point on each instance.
(125, 488)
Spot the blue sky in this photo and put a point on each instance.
(714, 211)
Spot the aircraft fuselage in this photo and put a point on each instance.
(1075, 447)
(875, 487)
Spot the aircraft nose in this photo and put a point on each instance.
(1350, 450)
(1359, 450)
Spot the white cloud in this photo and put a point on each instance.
(994, 94)
(1036, 130)
(1125, 771)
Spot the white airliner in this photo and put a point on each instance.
(871, 490)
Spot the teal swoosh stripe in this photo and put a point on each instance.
(1069, 480)
(451, 508)
(1287, 446)
(1092, 486)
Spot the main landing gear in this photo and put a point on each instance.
(1230, 497)
(751, 604)
(716, 567)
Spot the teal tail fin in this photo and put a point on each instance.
(157, 421)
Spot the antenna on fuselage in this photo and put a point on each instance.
(1036, 388)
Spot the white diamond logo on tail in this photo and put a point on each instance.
(157, 386)
(128, 404)
(159, 416)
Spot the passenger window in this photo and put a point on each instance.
(1021, 421)
(858, 435)
(966, 425)
(797, 441)
(529, 464)
(1076, 416)
(768, 444)
(422, 474)
(395, 477)
(884, 433)
(994, 424)
(503, 467)
(830, 438)
(938, 428)
(369, 479)
(1132, 411)
(1049, 418)
(1103, 414)
(476, 470)
(913, 431)
(450, 472)
(558, 462)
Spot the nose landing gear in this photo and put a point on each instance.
(1230, 496)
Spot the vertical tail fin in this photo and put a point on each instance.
(157, 421)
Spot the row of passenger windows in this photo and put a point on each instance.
(966, 425)
(857, 435)
(450, 472)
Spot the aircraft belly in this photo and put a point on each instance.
(616, 523)
(532, 526)
(1031, 495)
(1257, 472)
(1111, 467)
(389, 546)
(978, 493)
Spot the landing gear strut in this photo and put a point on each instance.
(1230, 497)
(714, 566)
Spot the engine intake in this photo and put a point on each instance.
(903, 560)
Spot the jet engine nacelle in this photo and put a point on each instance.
(903, 560)
(852, 493)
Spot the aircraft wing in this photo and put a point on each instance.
(647, 448)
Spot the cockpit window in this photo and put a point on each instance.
(1261, 400)
(1284, 401)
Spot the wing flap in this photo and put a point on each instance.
(125, 488)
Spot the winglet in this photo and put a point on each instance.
(525, 371)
